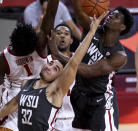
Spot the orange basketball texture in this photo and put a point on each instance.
(97, 7)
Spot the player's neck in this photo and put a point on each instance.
(110, 38)
(40, 84)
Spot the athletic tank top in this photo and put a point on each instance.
(21, 67)
(95, 53)
(35, 113)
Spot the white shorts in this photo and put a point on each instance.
(63, 124)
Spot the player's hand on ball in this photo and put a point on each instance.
(96, 21)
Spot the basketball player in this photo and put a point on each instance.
(40, 98)
(93, 98)
(21, 61)
(64, 118)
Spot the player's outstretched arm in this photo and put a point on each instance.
(10, 107)
(82, 18)
(103, 66)
(68, 75)
(47, 23)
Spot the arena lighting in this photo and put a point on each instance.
(1, 1)
(133, 10)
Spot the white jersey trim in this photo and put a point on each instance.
(52, 117)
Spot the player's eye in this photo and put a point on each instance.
(58, 33)
(51, 63)
(66, 33)
(57, 68)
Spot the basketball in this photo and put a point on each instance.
(97, 7)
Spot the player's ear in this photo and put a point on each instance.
(123, 27)
(71, 40)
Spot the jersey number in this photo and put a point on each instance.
(26, 116)
(27, 68)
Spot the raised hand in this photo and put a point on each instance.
(96, 21)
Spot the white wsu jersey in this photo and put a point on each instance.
(20, 68)
(66, 111)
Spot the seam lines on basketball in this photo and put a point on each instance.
(93, 4)
(101, 1)
(93, 9)
(96, 7)
(98, 2)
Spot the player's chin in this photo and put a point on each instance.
(49, 80)
(107, 24)
(62, 48)
(44, 76)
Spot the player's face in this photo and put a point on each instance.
(63, 38)
(115, 21)
(51, 70)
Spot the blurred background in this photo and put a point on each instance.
(11, 12)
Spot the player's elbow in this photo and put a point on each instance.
(123, 62)
(73, 65)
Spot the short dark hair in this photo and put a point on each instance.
(63, 24)
(128, 19)
(42, 1)
(23, 39)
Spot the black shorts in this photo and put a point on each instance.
(90, 111)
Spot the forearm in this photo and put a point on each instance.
(92, 70)
(49, 17)
(47, 23)
(83, 47)
(9, 108)
(82, 18)
(103, 66)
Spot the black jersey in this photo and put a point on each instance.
(95, 53)
(35, 113)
